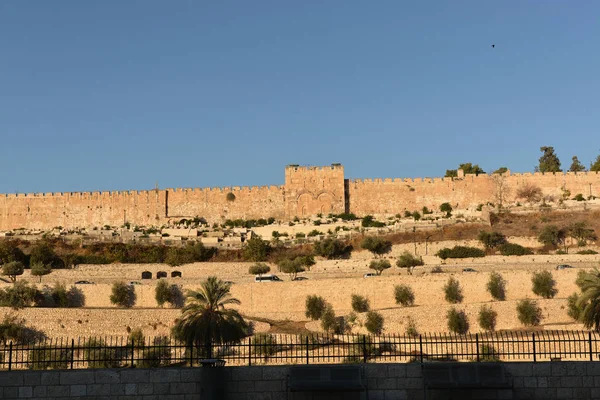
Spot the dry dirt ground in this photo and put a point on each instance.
(279, 306)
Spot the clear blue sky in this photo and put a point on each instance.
(120, 94)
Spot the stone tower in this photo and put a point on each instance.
(314, 190)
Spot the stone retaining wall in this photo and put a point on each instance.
(547, 381)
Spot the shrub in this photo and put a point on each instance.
(416, 215)
(13, 269)
(587, 251)
(457, 321)
(291, 267)
(513, 249)
(409, 261)
(544, 284)
(573, 309)
(122, 295)
(496, 286)
(374, 322)
(99, 355)
(369, 221)
(259, 269)
(263, 345)
(491, 240)
(411, 328)
(379, 266)
(230, 197)
(10, 251)
(487, 318)
(447, 208)
(189, 254)
(332, 249)
(452, 291)
(42, 253)
(49, 357)
(404, 295)
(162, 293)
(579, 197)
(529, 313)
(157, 355)
(551, 235)
(376, 245)
(360, 304)
(40, 270)
(460, 252)
(328, 319)
(437, 270)
(530, 193)
(314, 233)
(488, 353)
(136, 336)
(13, 329)
(315, 307)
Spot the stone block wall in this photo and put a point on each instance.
(543, 381)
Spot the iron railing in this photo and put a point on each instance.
(264, 349)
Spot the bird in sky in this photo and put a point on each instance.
(493, 46)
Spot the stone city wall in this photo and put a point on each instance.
(307, 191)
(543, 381)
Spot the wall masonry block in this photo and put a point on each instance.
(76, 377)
(25, 392)
(106, 376)
(98, 389)
(78, 390)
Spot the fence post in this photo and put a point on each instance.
(132, 351)
(421, 347)
(365, 349)
(590, 343)
(10, 356)
(534, 357)
(477, 345)
(72, 352)
(249, 352)
(306, 349)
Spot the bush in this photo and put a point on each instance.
(136, 336)
(291, 267)
(10, 251)
(328, 319)
(380, 265)
(437, 270)
(544, 284)
(157, 355)
(230, 196)
(496, 286)
(13, 329)
(453, 292)
(579, 197)
(122, 295)
(49, 357)
(189, 254)
(447, 208)
(263, 345)
(491, 240)
(314, 233)
(457, 321)
(416, 215)
(42, 253)
(573, 309)
(460, 252)
(404, 295)
(512, 249)
(376, 245)
(552, 236)
(99, 355)
(315, 307)
(488, 353)
(374, 322)
(369, 221)
(332, 249)
(409, 261)
(587, 251)
(360, 304)
(530, 193)
(259, 269)
(165, 293)
(529, 313)
(40, 270)
(411, 328)
(487, 318)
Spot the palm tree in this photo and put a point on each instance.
(589, 301)
(205, 320)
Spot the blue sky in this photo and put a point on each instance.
(121, 94)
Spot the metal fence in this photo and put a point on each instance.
(265, 349)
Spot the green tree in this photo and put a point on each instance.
(376, 245)
(452, 291)
(409, 261)
(447, 208)
(256, 249)
(589, 301)
(360, 304)
(328, 319)
(291, 267)
(205, 318)
(332, 249)
(595, 166)
(576, 166)
(549, 162)
(496, 286)
(581, 233)
(13, 269)
(501, 170)
(307, 261)
(42, 253)
(543, 284)
(487, 318)
(404, 295)
(162, 293)
(122, 295)
(379, 266)
(491, 240)
(573, 309)
(468, 168)
(40, 270)
(374, 323)
(315, 307)
(529, 313)
(10, 251)
(552, 235)
(259, 269)
(457, 321)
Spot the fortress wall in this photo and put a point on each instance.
(314, 190)
(212, 204)
(71, 210)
